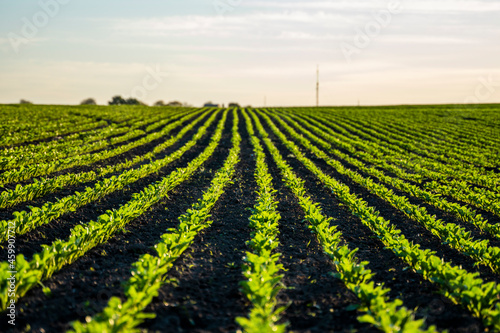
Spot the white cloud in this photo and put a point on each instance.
(226, 26)
(427, 40)
(7, 47)
(304, 36)
(409, 5)
(430, 52)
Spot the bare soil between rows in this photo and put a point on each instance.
(203, 294)
(84, 288)
(60, 228)
(390, 270)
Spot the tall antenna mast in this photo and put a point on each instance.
(317, 87)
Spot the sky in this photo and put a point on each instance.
(369, 52)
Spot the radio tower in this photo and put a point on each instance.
(317, 87)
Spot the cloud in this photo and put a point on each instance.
(427, 40)
(7, 47)
(262, 46)
(319, 21)
(248, 24)
(305, 36)
(409, 5)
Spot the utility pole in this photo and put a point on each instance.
(317, 87)
(265, 100)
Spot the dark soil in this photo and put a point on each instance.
(360, 130)
(130, 154)
(389, 269)
(203, 294)
(84, 288)
(317, 302)
(413, 231)
(60, 228)
(432, 210)
(51, 138)
(6, 213)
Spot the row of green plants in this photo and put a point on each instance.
(355, 146)
(431, 191)
(468, 138)
(445, 149)
(411, 157)
(149, 273)
(43, 186)
(103, 138)
(23, 124)
(450, 137)
(84, 237)
(459, 285)
(37, 216)
(454, 235)
(13, 135)
(112, 132)
(262, 270)
(63, 144)
(30, 171)
(22, 160)
(404, 168)
(460, 190)
(376, 307)
(118, 114)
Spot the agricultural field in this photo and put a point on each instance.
(164, 219)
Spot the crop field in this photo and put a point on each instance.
(171, 219)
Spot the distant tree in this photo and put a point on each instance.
(174, 103)
(159, 103)
(134, 101)
(234, 105)
(88, 101)
(118, 100)
(23, 101)
(211, 105)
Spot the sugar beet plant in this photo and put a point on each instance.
(262, 269)
(27, 221)
(383, 170)
(454, 235)
(85, 237)
(459, 285)
(378, 309)
(42, 186)
(149, 272)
